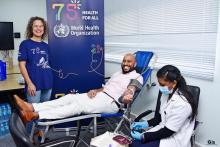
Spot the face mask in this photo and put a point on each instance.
(165, 90)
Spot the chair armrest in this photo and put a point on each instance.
(143, 115)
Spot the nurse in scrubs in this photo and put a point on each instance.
(174, 124)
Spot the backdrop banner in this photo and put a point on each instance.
(76, 40)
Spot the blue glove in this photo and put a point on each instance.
(136, 135)
(139, 125)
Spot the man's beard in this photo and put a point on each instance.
(127, 71)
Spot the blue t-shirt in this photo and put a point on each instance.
(37, 63)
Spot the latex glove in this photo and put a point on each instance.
(136, 135)
(139, 125)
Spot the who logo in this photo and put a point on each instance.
(61, 30)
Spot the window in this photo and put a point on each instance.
(179, 32)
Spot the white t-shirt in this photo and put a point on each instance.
(175, 115)
(118, 83)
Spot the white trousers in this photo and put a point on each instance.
(73, 104)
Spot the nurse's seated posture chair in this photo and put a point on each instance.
(22, 139)
(195, 91)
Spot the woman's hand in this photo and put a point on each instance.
(136, 135)
(31, 89)
(139, 125)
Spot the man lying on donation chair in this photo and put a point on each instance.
(122, 85)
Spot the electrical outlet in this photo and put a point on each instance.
(211, 142)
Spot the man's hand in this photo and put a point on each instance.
(92, 93)
(128, 96)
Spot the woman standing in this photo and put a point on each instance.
(33, 60)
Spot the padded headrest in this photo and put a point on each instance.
(142, 59)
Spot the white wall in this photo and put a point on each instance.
(19, 12)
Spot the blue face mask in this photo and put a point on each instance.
(165, 90)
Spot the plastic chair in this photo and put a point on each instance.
(22, 139)
(196, 92)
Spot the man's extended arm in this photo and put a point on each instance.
(128, 95)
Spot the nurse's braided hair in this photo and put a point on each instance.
(171, 73)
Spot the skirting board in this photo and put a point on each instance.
(203, 145)
(198, 145)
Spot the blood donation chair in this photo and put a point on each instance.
(143, 59)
